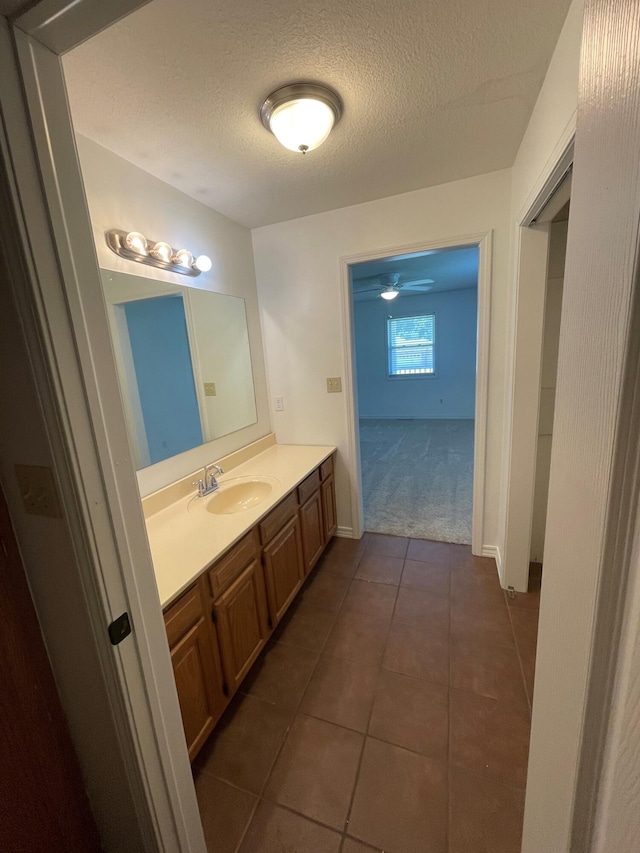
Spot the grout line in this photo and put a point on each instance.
(520, 664)
(366, 732)
(261, 796)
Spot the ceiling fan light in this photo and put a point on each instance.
(389, 293)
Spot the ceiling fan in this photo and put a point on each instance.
(389, 285)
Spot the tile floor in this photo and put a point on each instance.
(389, 712)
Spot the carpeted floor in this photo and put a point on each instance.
(417, 478)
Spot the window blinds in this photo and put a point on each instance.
(411, 345)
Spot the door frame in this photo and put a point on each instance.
(483, 240)
(57, 294)
(522, 410)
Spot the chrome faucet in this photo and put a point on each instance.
(209, 483)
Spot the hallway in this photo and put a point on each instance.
(390, 712)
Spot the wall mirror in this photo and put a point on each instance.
(183, 362)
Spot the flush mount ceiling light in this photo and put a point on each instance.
(390, 292)
(301, 115)
(134, 246)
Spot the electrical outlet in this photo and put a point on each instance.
(334, 384)
(38, 490)
(279, 404)
(209, 389)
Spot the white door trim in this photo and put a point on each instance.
(522, 409)
(70, 341)
(484, 242)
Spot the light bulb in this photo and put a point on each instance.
(302, 124)
(162, 251)
(203, 263)
(136, 242)
(183, 257)
(390, 293)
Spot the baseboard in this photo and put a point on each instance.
(416, 417)
(494, 551)
(345, 532)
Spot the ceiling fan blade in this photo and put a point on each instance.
(417, 282)
(357, 290)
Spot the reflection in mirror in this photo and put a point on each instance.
(183, 362)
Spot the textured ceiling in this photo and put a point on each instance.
(449, 269)
(434, 91)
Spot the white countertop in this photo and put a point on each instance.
(185, 539)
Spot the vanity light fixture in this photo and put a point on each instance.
(301, 115)
(136, 247)
(389, 293)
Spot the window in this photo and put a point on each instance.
(410, 343)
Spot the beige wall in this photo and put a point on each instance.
(299, 287)
(552, 311)
(120, 195)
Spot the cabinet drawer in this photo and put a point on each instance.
(183, 615)
(227, 568)
(278, 517)
(326, 469)
(309, 486)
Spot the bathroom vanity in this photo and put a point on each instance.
(229, 564)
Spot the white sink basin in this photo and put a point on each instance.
(235, 495)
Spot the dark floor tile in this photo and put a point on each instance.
(433, 578)
(316, 771)
(400, 801)
(339, 563)
(462, 558)
(388, 546)
(428, 551)
(375, 600)
(305, 625)
(527, 600)
(341, 691)
(381, 569)
(476, 592)
(281, 674)
(277, 830)
(357, 638)
(412, 713)
(485, 815)
(224, 811)
(352, 846)
(488, 669)
(421, 651)
(488, 736)
(525, 628)
(324, 590)
(485, 624)
(415, 607)
(245, 743)
(342, 545)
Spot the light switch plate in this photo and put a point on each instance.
(209, 389)
(279, 404)
(38, 490)
(334, 384)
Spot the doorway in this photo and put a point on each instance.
(415, 330)
(416, 389)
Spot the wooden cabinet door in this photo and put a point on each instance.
(197, 668)
(241, 618)
(312, 530)
(283, 568)
(329, 515)
(199, 683)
